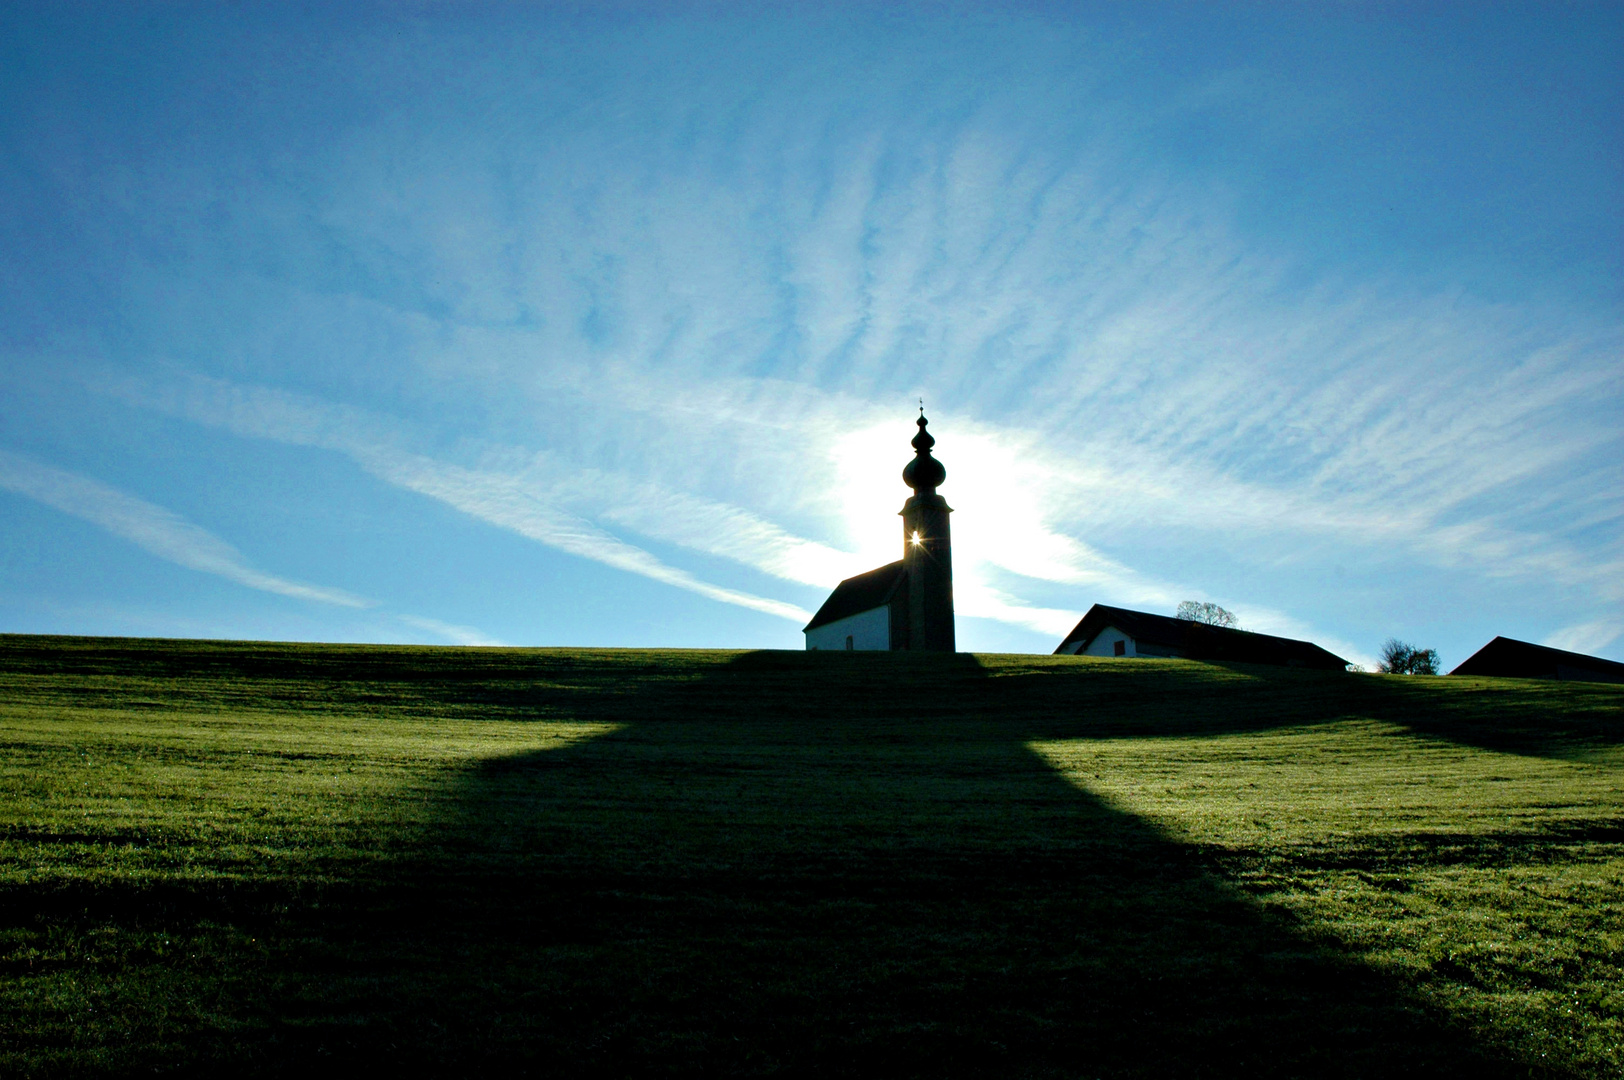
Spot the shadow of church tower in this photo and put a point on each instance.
(906, 605)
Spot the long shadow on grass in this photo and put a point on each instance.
(816, 864)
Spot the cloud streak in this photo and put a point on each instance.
(519, 501)
(456, 635)
(154, 529)
(512, 502)
(1586, 637)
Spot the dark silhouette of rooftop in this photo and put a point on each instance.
(862, 593)
(1512, 659)
(1202, 641)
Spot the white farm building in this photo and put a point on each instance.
(1113, 631)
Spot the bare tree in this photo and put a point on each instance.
(1395, 657)
(1401, 658)
(1208, 613)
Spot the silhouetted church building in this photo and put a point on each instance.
(908, 604)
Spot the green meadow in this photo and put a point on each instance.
(250, 858)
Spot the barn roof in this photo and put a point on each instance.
(1510, 658)
(861, 593)
(1200, 641)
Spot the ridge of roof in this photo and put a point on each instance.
(863, 592)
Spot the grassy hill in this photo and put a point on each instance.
(260, 856)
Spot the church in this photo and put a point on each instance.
(908, 604)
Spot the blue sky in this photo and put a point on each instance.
(605, 325)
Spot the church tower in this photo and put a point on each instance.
(908, 604)
(927, 551)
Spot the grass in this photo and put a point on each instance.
(257, 857)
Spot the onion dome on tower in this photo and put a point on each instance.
(924, 473)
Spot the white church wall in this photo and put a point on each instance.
(869, 631)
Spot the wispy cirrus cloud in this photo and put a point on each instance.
(646, 321)
(455, 634)
(515, 502)
(1587, 637)
(152, 528)
(525, 500)
(1144, 367)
